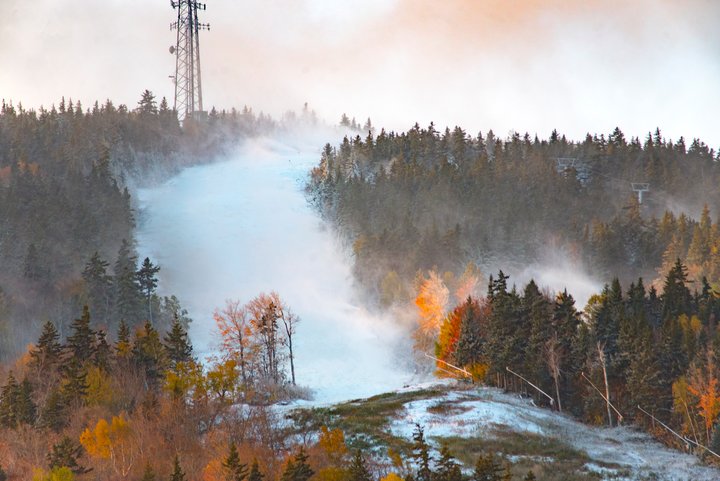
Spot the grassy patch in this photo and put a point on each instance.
(549, 458)
(365, 422)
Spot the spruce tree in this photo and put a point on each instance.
(8, 402)
(447, 468)
(147, 280)
(66, 453)
(148, 474)
(469, 348)
(75, 384)
(177, 345)
(358, 470)
(98, 285)
(54, 412)
(46, 353)
(676, 295)
(297, 469)
(25, 409)
(236, 470)
(421, 455)
(123, 347)
(149, 354)
(103, 353)
(255, 474)
(127, 290)
(487, 469)
(81, 342)
(178, 474)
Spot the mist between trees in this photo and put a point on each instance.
(423, 199)
(67, 215)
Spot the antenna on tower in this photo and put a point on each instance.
(640, 188)
(188, 81)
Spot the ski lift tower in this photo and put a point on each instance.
(640, 188)
(188, 82)
(565, 163)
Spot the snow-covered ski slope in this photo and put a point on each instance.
(241, 226)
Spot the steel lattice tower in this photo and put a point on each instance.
(188, 82)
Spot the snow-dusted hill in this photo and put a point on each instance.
(618, 453)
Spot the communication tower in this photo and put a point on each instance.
(188, 81)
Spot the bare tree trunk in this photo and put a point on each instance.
(553, 358)
(292, 361)
(601, 354)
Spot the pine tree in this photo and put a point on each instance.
(149, 474)
(127, 290)
(447, 468)
(16, 404)
(98, 285)
(676, 295)
(66, 454)
(147, 280)
(123, 348)
(358, 470)
(177, 345)
(149, 354)
(103, 353)
(297, 469)
(25, 409)
(178, 474)
(236, 470)
(255, 474)
(54, 412)
(469, 348)
(75, 384)
(9, 401)
(487, 469)
(46, 354)
(81, 342)
(421, 455)
(147, 104)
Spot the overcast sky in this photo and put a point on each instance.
(525, 65)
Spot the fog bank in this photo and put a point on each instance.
(242, 226)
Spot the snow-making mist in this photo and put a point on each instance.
(241, 226)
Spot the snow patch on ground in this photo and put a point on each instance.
(479, 412)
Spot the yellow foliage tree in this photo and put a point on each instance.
(185, 381)
(114, 441)
(100, 390)
(332, 442)
(56, 474)
(223, 379)
(391, 477)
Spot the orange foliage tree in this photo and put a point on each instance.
(704, 385)
(233, 322)
(431, 301)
